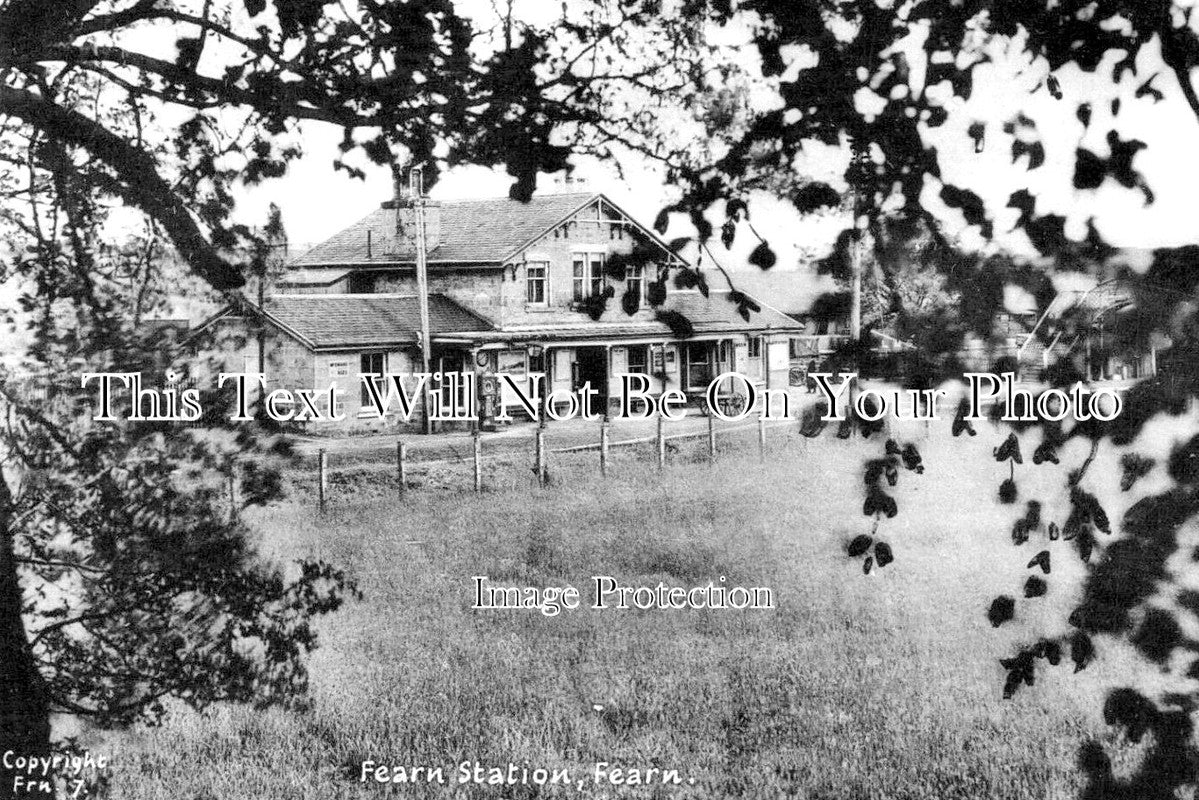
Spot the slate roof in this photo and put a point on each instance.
(790, 291)
(708, 315)
(324, 321)
(472, 231)
(313, 277)
(349, 321)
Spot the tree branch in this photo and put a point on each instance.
(186, 80)
(138, 180)
(1183, 74)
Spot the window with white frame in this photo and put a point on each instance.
(372, 364)
(638, 359)
(588, 275)
(537, 281)
(755, 347)
(634, 281)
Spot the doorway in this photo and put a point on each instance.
(591, 366)
(697, 365)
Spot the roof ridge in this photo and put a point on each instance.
(484, 231)
(319, 295)
(547, 196)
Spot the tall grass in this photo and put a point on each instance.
(880, 686)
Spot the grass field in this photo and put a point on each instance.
(855, 686)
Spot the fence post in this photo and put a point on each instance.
(661, 442)
(761, 437)
(401, 456)
(322, 477)
(711, 437)
(540, 466)
(478, 462)
(604, 448)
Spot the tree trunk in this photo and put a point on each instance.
(24, 710)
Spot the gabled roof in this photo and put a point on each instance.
(338, 321)
(487, 231)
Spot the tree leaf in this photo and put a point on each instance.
(762, 256)
(680, 326)
(815, 196)
(1003, 609)
(859, 545)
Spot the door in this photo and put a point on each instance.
(591, 366)
(697, 365)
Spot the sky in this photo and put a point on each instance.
(317, 201)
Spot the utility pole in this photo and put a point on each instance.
(261, 327)
(855, 311)
(416, 191)
(855, 262)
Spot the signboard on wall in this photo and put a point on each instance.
(512, 362)
(659, 365)
(620, 360)
(339, 369)
(777, 355)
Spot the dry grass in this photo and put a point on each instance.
(885, 686)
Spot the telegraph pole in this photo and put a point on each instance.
(416, 191)
(855, 263)
(855, 310)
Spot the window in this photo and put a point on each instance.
(638, 359)
(537, 280)
(634, 281)
(588, 275)
(699, 365)
(373, 364)
(536, 360)
(755, 347)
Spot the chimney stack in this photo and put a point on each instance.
(408, 190)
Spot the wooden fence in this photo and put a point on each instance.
(541, 452)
